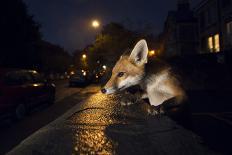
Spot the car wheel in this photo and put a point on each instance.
(20, 112)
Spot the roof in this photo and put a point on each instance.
(200, 4)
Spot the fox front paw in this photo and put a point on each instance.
(154, 111)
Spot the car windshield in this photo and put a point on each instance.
(16, 78)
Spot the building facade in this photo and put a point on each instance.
(214, 25)
(180, 32)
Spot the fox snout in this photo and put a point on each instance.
(108, 89)
(103, 90)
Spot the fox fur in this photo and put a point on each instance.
(156, 78)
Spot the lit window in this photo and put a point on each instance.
(210, 44)
(216, 43)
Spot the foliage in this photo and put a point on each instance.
(19, 35)
(112, 42)
(21, 43)
(53, 58)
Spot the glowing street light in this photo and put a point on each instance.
(84, 73)
(72, 72)
(151, 53)
(95, 23)
(104, 67)
(84, 56)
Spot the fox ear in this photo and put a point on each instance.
(139, 53)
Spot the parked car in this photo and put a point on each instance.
(98, 76)
(80, 78)
(22, 90)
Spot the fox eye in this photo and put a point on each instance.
(120, 74)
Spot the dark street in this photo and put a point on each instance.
(115, 77)
(12, 133)
(101, 125)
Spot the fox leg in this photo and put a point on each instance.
(130, 98)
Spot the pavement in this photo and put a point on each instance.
(12, 133)
(212, 118)
(99, 125)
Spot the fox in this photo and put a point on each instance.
(157, 80)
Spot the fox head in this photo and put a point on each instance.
(129, 70)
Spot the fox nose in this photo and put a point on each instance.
(103, 90)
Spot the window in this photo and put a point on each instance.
(202, 21)
(211, 15)
(210, 44)
(229, 28)
(229, 32)
(214, 43)
(17, 78)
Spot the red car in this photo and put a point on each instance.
(22, 90)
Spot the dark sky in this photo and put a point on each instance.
(68, 22)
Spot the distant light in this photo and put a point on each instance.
(104, 67)
(151, 53)
(95, 23)
(72, 72)
(84, 56)
(84, 73)
(96, 77)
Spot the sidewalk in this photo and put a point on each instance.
(101, 126)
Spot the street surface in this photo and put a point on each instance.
(102, 126)
(97, 124)
(12, 133)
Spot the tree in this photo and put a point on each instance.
(113, 41)
(19, 36)
(54, 58)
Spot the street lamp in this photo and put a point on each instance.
(151, 53)
(95, 24)
(104, 67)
(84, 56)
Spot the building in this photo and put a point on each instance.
(214, 25)
(180, 32)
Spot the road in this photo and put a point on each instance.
(99, 125)
(12, 133)
(212, 118)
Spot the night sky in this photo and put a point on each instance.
(68, 22)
